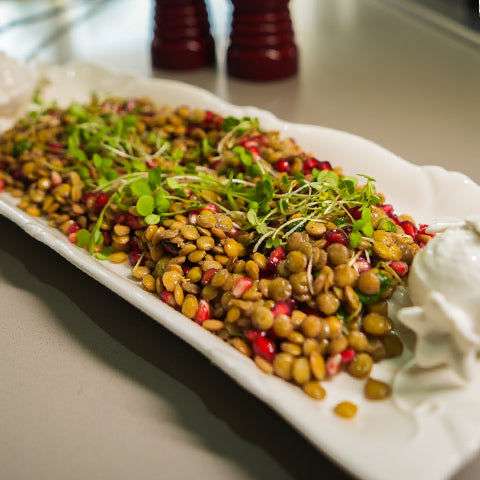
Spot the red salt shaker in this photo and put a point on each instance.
(262, 45)
(182, 38)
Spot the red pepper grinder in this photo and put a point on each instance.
(262, 43)
(182, 38)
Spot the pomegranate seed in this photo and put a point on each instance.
(170, 247)
(264, 347)
(282, 307)
(361, 265)
(132, 222)
(168, 298)
(348, 355)
(186, 267)
(336, 236)
(388, 209)
(400, 268)
(261, 139)
(214, 165)
(276, 255)
(422, 229)
(255, 152)
(74, 228)
(55, 178)
(241, 285)
(55, 145)
(409, 228)
(73, 237)
(131, 104)
(134, 256)
(152, 163)
(266, 274)
(192, 218)
(234, 232)
(100, 202)
(309, 164)
(282, 165)
(119, 217)
(17, 174)
(355, 212)
(208, 119)
(2, 185)
(249, 143)
(208, 275)
(134, 244)
(324, 165)
(311, 311)
(332, 365)
(212, 207)
(203, 312)
(253, 334)
(107, 239)
(89, 200)
(219, 123)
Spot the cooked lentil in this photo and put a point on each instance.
(275, 264)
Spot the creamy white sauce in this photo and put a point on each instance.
(444, 287)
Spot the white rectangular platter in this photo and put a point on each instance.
(425, 430)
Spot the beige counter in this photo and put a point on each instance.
(92, 388)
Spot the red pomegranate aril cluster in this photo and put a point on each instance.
(203, 312)
(208, 275)
(276, 255)
(400, 268)
(168, 298)
(310, 163)
(348, 355)
(283, 307)
(336, 236)
(241, 286)
(409, 228)
(282, 165)
(265, 347)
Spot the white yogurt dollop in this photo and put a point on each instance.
(444, 286)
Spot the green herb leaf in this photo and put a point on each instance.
(229, 123)
(154, 178)
(152, 219)
(21, 146)
(145, 205)
(177, 155)
(172, 183)
(387, 225)
(206, 147)
(252, 217)
(97, 160)
(104, 253)
(355, 239)
(82, 238)
(140, 187)
(162, 204)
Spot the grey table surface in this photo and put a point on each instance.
(92, 388)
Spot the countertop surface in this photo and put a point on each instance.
(92, 388)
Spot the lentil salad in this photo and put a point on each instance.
(267, 247)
